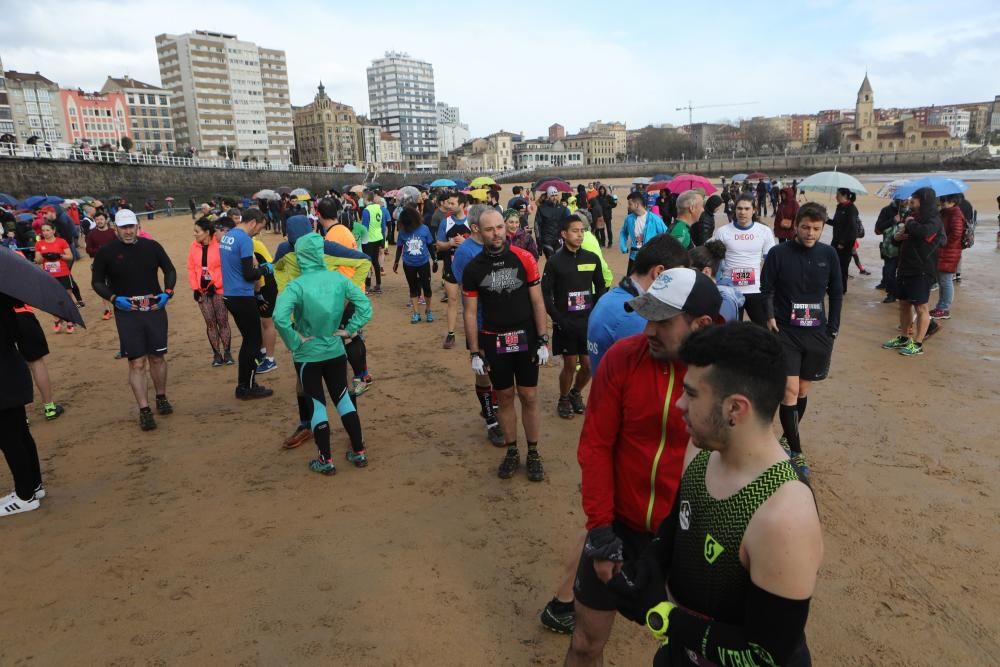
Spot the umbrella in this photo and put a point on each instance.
(421, 188)
(888, 190)
(758, 176)
(305, 197)
(392, 193)
(460, 184)
(7, 199)
(683, 182)
(87, 200)
(831, 181)
(283, 190)
(25, 217)
(739, 177)
(442, 183)
(113, 197)
(360, 189)
(642, 180)
(38, 201)
(24, 281)
(661, 177)
(941, 185)
(301, 193)
(479, 194)
(561, 186)
(534, 186)
(407, 194)
(373, 186)
(351, 169)
(267, 194)
(482, 181)
(657, 185)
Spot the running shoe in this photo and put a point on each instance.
(958, 277)
(163, 406)
(430, 317)
(377, 290)
(80, 304)
(536, 473)
(57, 328)
(359, 459)
(783, 441)
(511, 462)
(495, 434)
(12, 504)
(422, 301)
(415, 318)
(576, 400)
(940, 314)
(266, 366)
(323, 466)
(227, 358)
(53, 410)
(911, 349)
(564, 408)
(800, 465)
(880, 286)
(559, 617)
(449, 341)
(70, 327)
(444, 299)
(146, 420)
(934, 287)
(252, 392)
(896, 343)
(932, 329)
(39, 492)
(302, 433)
(217, 361)
(865, 272)
(889, 299)
(360, 386)
(106, 315)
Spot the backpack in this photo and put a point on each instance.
(888, 246)
(969, 233)
(861, 228)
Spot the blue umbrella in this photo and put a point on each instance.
(661, 177)
(38, 201)
(7, 199)
(739, 177)
(442, 183)
(460, 184)
(25, 217)
(941, 185)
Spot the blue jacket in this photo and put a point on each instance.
(299, 226)
(626, 237)
(609, 321)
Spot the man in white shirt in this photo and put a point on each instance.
(747, 244)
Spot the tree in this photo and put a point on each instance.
(127, 144)
(223, 151)
(760, 135)
(660, 144)
(828, 138)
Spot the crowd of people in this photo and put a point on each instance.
(683, 392)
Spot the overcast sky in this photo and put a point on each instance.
(565, 62)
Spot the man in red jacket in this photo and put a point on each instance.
(632, 445)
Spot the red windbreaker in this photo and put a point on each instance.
(633, 441)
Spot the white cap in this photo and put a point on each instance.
(551, 191)
(125, 218)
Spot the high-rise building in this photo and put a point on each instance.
(150, 125)
(7, 130)
(401, 100)
(326, 132)
(227, 96)
(451, 131)
(96, 118)
(447, 113)
(369, 141)
(34, 104)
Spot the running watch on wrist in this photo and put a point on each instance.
(544, 339)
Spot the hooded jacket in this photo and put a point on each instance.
(845, 227)
(704, 227)
(286, 265)
(787, 210)
(917, 254)
(626, 237)
(547, 223)
(315, 301)
(950, 254)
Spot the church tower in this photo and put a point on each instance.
(864, 110)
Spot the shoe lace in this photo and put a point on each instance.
(534, 462)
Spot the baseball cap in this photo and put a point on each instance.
(125, 218)
(551, 191)
(678, 291)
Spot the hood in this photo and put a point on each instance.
(713, 203)
(309, 252)
(298, 226)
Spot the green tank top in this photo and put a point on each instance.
(374, 223)
(706, 575)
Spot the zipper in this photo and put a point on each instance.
(659, 451)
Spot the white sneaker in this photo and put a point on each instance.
(39, 492)
(11, 504)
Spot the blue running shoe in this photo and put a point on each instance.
(415, 318)
(430, 317)
(267, 366)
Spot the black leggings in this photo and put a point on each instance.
(374, 252)
(845, 257)
(333, 372)
(607, 230)
(357, 356)
(20, 451)
(247, 317)
(419, 279)
(753, 306)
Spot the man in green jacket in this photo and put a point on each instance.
(307, 316)
(690, 206)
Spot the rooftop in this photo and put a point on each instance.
(128, 82)
(25, 77)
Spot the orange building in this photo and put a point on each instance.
(98, 118)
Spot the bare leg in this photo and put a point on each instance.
(158, 371)
(451, 289)
(591, 633)
(40, 372)
(567, 373)
(530, 414)
(268, 335)
(565, 591)
(582, 375)
(923, 322)
(508, 413)
(905, 317)
(137, 379)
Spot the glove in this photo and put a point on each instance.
(161, 300)
(266, 267)
(543, 354)
(658, 620)
(478, 364)
(434, 267)
(603, 544)
(640, 585)
(122, 303)
(197, 296)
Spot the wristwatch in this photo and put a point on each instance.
(544, 339)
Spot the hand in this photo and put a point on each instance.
(772, 325)
(395, 267)
(161, 300)
(434, 267)
(606, 569)
(267, 268)
(197, 296)
(210, 290)
(123, 303)
(603, 544)
(543, 354)
(479, 366)
(305, 339)
(343, 333)
(832, 333)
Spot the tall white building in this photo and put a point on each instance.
(401, 101)
(228, 96)
(956, 120)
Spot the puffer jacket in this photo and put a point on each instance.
(950, 254)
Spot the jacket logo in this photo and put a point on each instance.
(712, 549)
(685, 515)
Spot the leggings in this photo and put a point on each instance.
(419, 279)
(374, 252)
(216, 322)
(845, 257)
(247, 318)
(312, 376)
(600, 233)
(20, 451)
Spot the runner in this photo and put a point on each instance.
(487, 397)
(632, 445)
(413, 246)
(34, 348)
(511, 343)
(450, 235)
(517, 235)
(240, 274)
(205, 279)
(548, 220)
(99, 236)
(374, 218)
(796, 279)
(639, 228)
(740, 571)
(747, 244)
(316, 301)
(268, 291)
(53, 254)
(125, 273)
(572, 284)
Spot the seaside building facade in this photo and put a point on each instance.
(401, 101)
(150, 125)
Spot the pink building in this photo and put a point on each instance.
(98, 118)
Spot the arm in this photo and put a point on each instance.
(282, 317)
(99, 276)
(362, 308)
(548, 293)
(623, 236)
(366, 219)
(538, 308)
(470, 307)
(599, 281)
(595, 452)
(399, 253)
(835, 291)
(441, 240)
(768, 277)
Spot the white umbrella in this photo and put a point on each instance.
(889, 189)
(267, 194)
(642, 180)
(831, 181)
(351, 169)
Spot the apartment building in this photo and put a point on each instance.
(150, 124)
(401, 101)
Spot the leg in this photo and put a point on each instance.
(247, 318)
(20, 451)
(531, 417)
(311, 378)
(158, 371)
(946, 293)
(788, 414)
(923, 321)
(508, 415)
(207, 308)
(40, 373)
(609, 232)
(222, 323)
(582, 375)
(591, 633)
(335, 376)
(268, 336)
(424, 282)
(567, 374)
(377, 263)
(137, 380)
(905, 317)
(451, 289)
(845, 263)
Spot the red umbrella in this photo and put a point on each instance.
(658, 185)
(683, 182)
(758, 176)
(561, 186)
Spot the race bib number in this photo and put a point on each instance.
(142, 302)
(576, 301)
(51, 267)
(743, 277)
(807, 315)
(512, 341)
(206, 274)
(638, 241)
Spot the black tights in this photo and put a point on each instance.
(332, 372)
(247, 317)
(20, 451)
(374, 252)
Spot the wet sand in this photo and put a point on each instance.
(203, 543)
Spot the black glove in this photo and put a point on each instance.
(640, 585)
(197, 296)
(603, 544)
(434, 267)
(262, 304)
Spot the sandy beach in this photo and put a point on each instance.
(202, 543)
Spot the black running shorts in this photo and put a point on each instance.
(141, 332)
(807, 352)
(568, 341)
(915, 289)
(591, 591)
(510, 368)
(270, 294)
(31, 339)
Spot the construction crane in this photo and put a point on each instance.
(691, 108)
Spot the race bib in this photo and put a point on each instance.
(807, 315)
(206, 274)
(143, 302)
(576, 301)
(743, 276)
(51, 267)
(512, 341)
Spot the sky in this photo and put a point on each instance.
(525, 67)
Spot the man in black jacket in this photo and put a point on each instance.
(607, 203)
(548, 222)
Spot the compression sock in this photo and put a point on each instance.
(790, 424)
(801, 406)
(560, 607)
(485, 396)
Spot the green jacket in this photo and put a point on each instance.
(312, 306)
(682, 232)
(591, 243)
